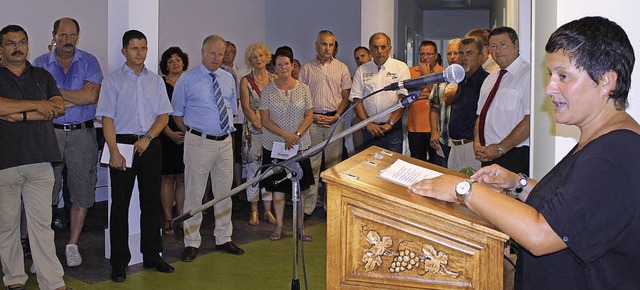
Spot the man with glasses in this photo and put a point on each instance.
(418, 126)
(502, 130)
(29, 99)
(439, 116)
(78, 76)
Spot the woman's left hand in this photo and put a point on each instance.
(442, 187)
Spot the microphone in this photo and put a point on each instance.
(452, 74)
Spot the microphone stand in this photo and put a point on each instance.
(291, 167)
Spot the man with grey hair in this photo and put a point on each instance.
(482, 35)
(204, 102)
(386, 131)
(440, 103)
(330, 82)
(464, 105)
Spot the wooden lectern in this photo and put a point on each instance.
(380, 236)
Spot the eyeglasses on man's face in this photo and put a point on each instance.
(14, 45)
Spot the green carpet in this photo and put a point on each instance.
(265, 265)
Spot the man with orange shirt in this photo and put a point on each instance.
(418, 123)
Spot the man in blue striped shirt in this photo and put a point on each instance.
(204, 102)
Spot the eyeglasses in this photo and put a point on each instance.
(15, 45)
(428, 53)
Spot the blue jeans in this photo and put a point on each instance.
(391, 140)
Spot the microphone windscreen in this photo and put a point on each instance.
(454, 73)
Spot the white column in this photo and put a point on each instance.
(377, 16)
(125, 15)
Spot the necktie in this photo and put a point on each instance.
(485, 108)
(222, 109)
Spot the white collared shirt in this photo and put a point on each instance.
(368, 79)
(511, 103)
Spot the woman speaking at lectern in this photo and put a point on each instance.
(579, 226)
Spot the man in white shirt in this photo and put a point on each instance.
(386, 131)
(505, 131)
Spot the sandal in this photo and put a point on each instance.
(253, 218)
(305, 237)
(16, 287)
(276, 235)
(168, 230)
(268, 217)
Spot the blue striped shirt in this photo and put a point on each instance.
(193, 98)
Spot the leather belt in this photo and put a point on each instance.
(210, 137)
(461, 141)
(70, 127)
(327, 113)
(129, 138)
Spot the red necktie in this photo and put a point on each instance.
(485, 108)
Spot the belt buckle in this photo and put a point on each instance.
(66, 127)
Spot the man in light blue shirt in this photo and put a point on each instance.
(204, 102)
(134, 108)
(79, 77)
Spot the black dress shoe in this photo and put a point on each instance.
(118, 273)
(230, 248)
(189, 254)
(160, 265)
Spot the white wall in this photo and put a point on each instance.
(555, 140)
(37, 18)
(186, 23)
(296, 23)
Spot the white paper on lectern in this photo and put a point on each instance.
(279, 151)
(126, 150)
(405, 173)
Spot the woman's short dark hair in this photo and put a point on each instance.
(597, 45)
(283, 51)
(167, 54)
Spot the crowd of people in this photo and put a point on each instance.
(193, 130)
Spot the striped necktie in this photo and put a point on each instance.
(222, 109)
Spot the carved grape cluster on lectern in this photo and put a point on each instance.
(404, 258)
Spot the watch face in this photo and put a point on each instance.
(463, 187)
(523, 182)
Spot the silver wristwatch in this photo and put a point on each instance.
(463, 190)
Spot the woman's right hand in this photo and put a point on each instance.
(290, 139)
(497, 175)
(257, 125)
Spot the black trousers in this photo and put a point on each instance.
(516, 160)
(148, 169)
(420, 146)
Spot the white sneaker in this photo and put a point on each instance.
(73, 255)
(32, 269)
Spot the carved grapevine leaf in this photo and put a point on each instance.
(371, 261)
(378, 244)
